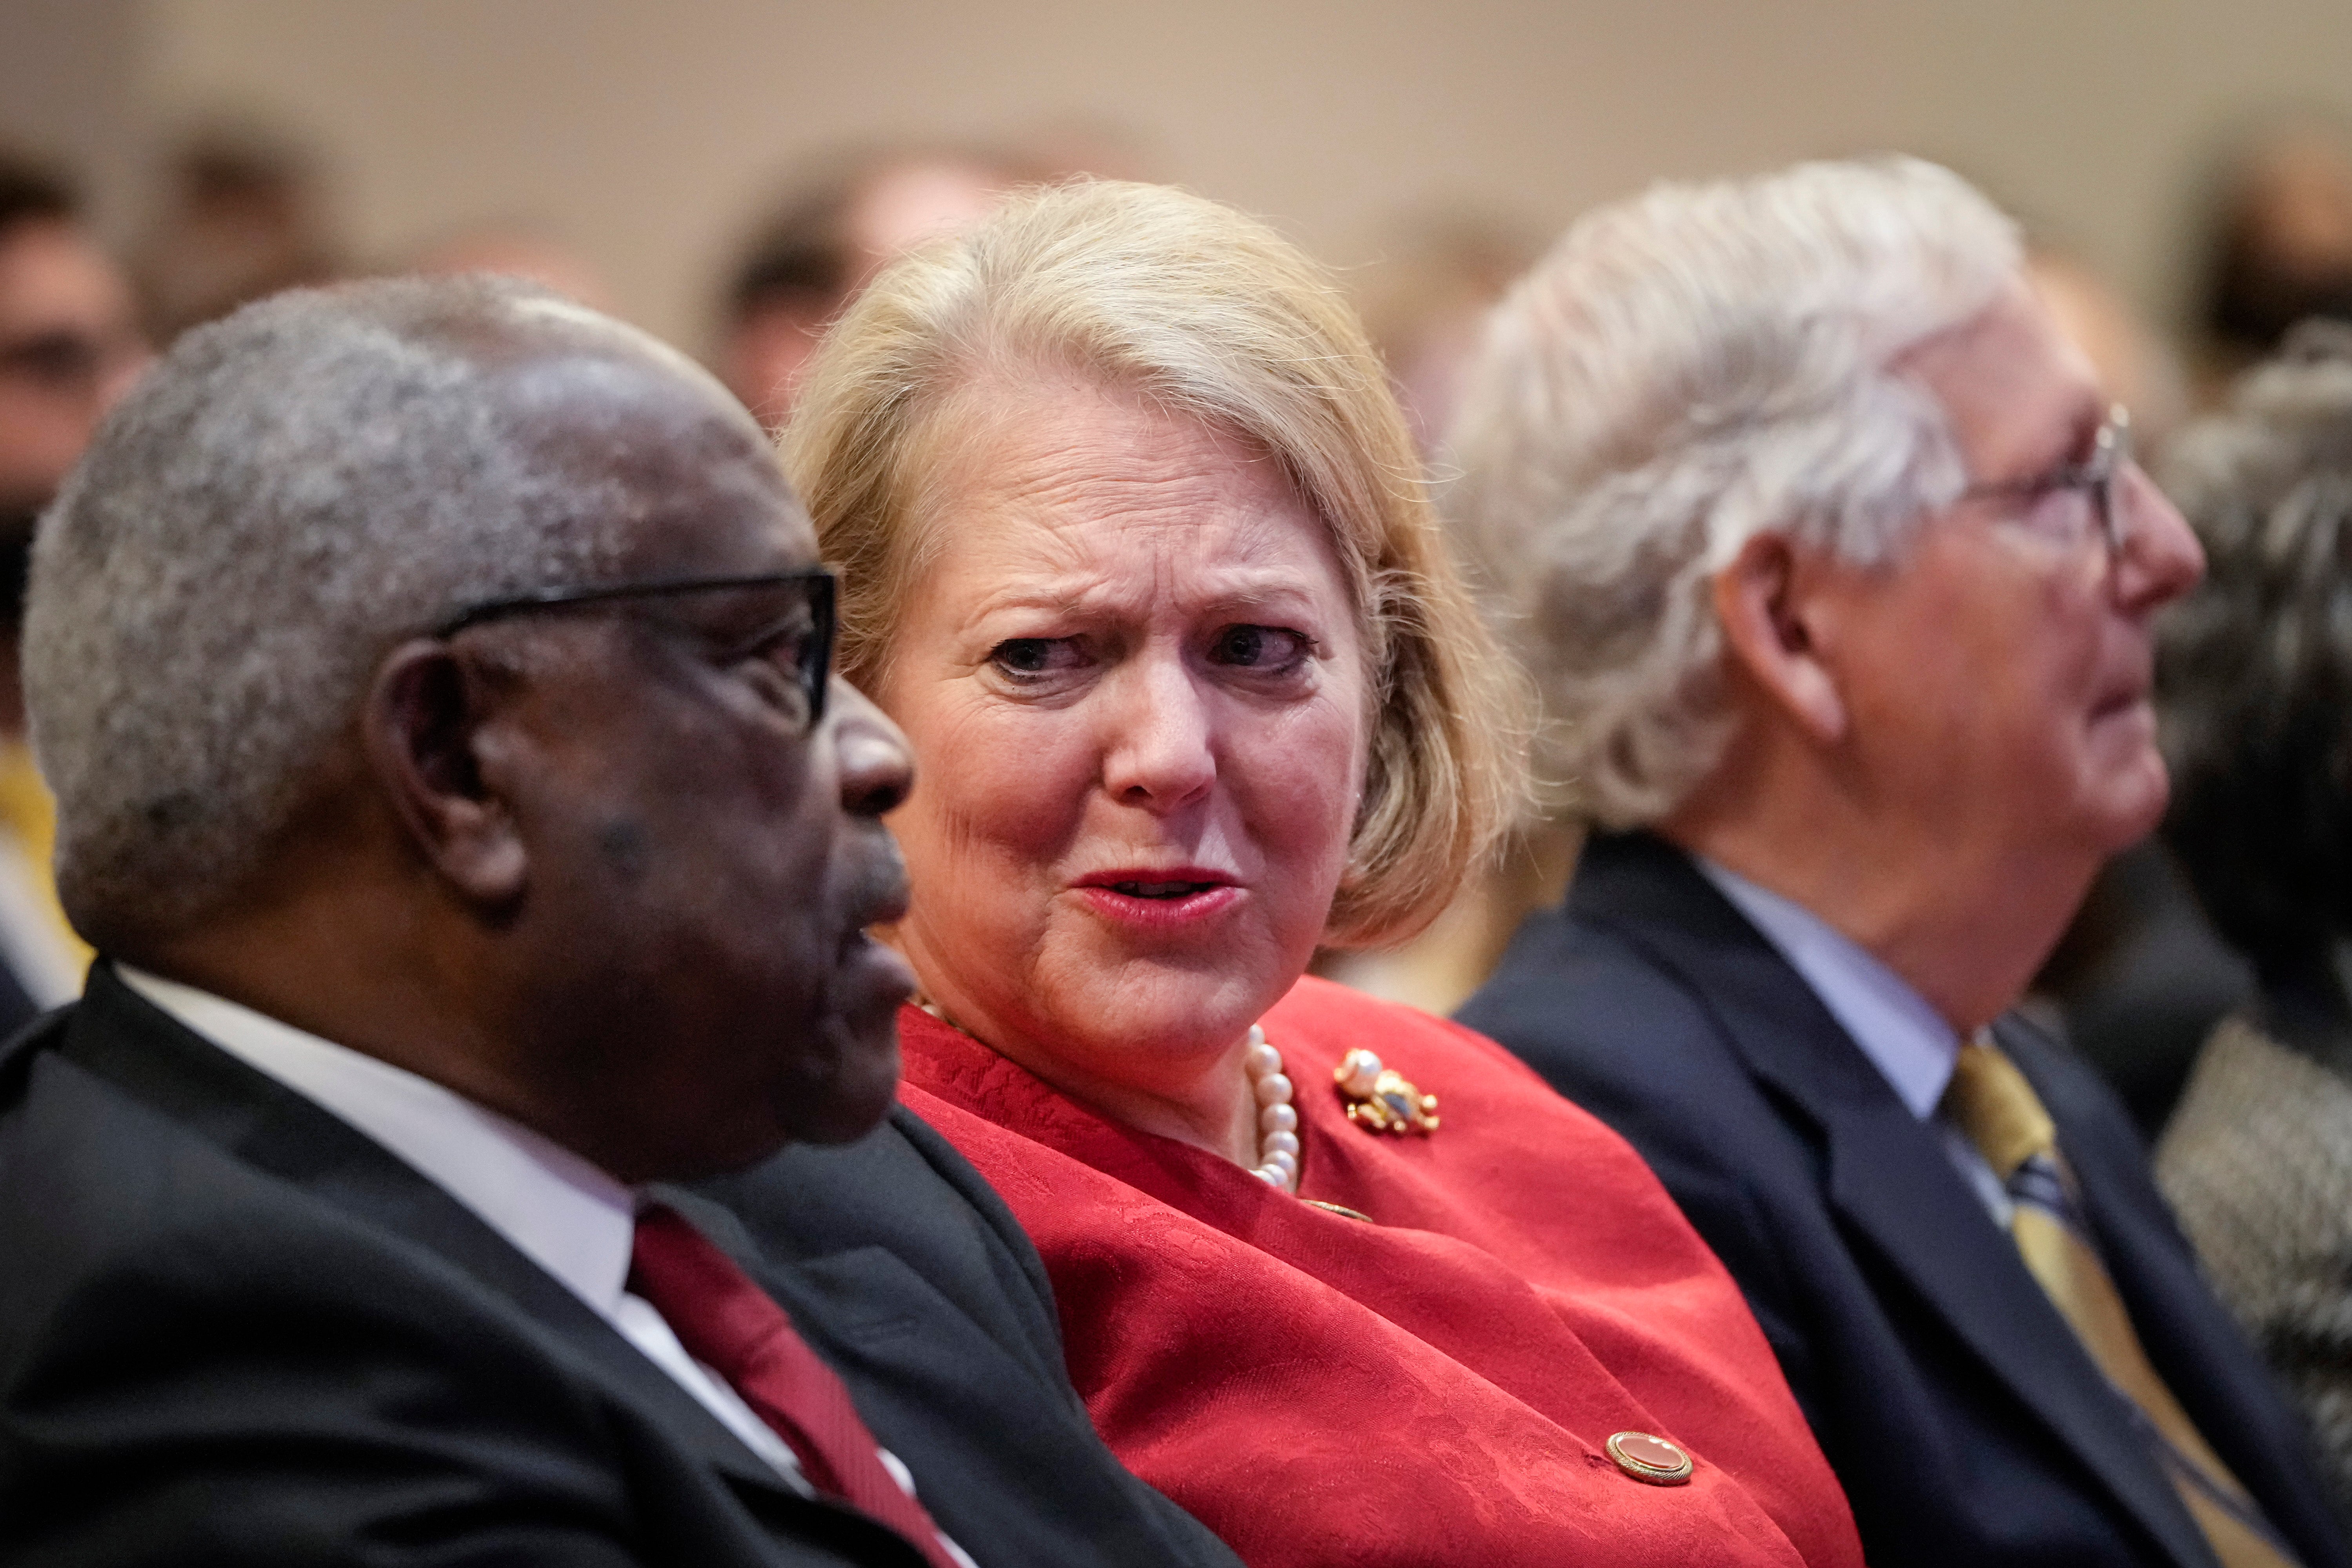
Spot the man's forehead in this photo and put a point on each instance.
(718, 535)
(2020, 394)
(658, 451)
(623, 408)
(554, 320)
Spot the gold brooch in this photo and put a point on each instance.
(1379, 1098)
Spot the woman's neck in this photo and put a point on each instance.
(1213, 1106)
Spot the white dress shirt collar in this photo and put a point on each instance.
(1909, 1041)
(563, 1213)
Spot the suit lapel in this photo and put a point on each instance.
(1888, 1177)
(122, 1037)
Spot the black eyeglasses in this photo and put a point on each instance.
(795, 632)
(2095, 476)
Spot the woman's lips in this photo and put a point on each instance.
(1159, 901)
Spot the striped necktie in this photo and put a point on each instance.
(1990, 1100)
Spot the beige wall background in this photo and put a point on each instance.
(648, 135)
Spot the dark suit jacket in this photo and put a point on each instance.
(234, 1329)
(1967, 1421)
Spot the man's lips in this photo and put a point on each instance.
(2119, 705)
(2121, 696)
(880, 896)
(2129, 680)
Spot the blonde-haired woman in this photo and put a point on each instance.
(1136, 554)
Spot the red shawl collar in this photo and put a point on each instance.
(1433, 1388)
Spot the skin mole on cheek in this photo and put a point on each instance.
(623, 845)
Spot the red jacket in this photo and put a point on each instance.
(1436, 1386)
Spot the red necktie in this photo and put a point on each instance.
(731, 1326)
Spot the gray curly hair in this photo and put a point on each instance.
(287, 494)
(1684, 371)
(2255, 667)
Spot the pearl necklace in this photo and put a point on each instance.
(1277, 1121)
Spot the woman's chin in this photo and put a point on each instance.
(1178, 1014)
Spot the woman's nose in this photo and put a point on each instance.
(1159, 749)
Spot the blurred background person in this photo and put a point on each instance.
(647, 134)
(1424, 302)
(2278, 242)
(244, 213)
(69, 341)
(1425, 305)
(2255, 675)
(825, 238)
(1136, 554)
(2136, 365)
(70, 346)
(508, 250)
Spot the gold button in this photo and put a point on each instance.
(1650, 1458)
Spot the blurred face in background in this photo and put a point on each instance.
(70, 346)
(767, 350)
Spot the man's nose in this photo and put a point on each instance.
(870, 754)
(2161, 559)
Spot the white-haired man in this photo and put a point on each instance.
(434, 676)
(1837, 576)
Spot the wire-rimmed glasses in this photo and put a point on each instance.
(2095, 476)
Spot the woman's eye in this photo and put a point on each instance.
(1030, 658)
(1260, 648)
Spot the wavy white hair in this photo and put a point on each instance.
(1683, 372)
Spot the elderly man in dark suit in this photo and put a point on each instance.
(1837, 574)
(433, 677)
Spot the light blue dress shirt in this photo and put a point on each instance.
(1909, 1041)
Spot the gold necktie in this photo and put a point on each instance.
(1990, 1100)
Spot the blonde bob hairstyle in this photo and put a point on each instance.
(1213, 315)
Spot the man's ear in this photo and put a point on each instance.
(1761, 602)
(423, 724)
